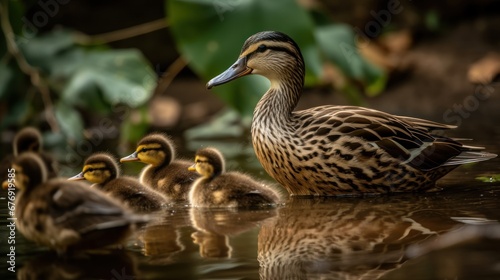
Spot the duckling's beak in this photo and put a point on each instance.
(5, 184)
(192, 167)
(131, 157)
(77, 177)
(238, 69)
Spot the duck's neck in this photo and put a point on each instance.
(277, 104)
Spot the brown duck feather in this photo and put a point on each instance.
(337, 150)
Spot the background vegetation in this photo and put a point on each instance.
(82, 89)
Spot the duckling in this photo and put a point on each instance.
(337, 150)
(217, 188)
(102, 170)
(67, 216)
(29, 139)
(164, 173)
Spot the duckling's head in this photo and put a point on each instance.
(208, 162)
(27, 139)
(99, 168)
(30, 171)
(271, 54)
(155, 149)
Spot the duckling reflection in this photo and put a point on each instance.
(215, 226)
(161, 239)
(117, 264)
(212, 245)
(345, 238)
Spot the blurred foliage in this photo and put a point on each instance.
(489, 179)
(209, 34)
(88, 78)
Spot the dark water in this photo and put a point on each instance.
(453, 234)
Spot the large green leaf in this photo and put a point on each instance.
(337, 42)
(91, 78)
(41, 51)
(70, 121)
(209, 34)
(120, 76)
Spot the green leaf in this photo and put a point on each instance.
(70, 121)
(227, 124)
(119, 77)
(337, 42)
(41, 51)
(210, 34)
(92, 78)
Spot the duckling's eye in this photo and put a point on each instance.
(90, 170)
(262, 48)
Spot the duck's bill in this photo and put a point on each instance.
(238, 69)
(77, 177)
(192, 167)
(131, 157)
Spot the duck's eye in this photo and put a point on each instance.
(262, 48)
(143, 150)
(90, 170)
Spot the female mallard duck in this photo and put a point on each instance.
(102, 170)
(217, 188)
(337, 150)
(66, 216)
(29, 139)
(164, 174)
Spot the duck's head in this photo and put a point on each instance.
(99, 168)
(27, 139)
(155, 149)
(208, 162)
(271, 54)
(30, 171)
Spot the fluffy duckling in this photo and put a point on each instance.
(29, 139)
(66, 216)
(217, 188)
(102, 170)
(164, 174)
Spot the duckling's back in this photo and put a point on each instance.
(70, 216)
(137, 196)
(233, 189)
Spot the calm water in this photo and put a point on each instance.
(444, 235)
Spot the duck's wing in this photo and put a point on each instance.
(411, 140)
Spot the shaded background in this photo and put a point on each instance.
(434, 60)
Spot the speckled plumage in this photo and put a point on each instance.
(338, 150)
(102, 170)
(217, 188)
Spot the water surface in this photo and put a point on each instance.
(388, 237)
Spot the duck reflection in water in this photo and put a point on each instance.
(117, 264)
(161, 239)
(215, 226)
(350, 239)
